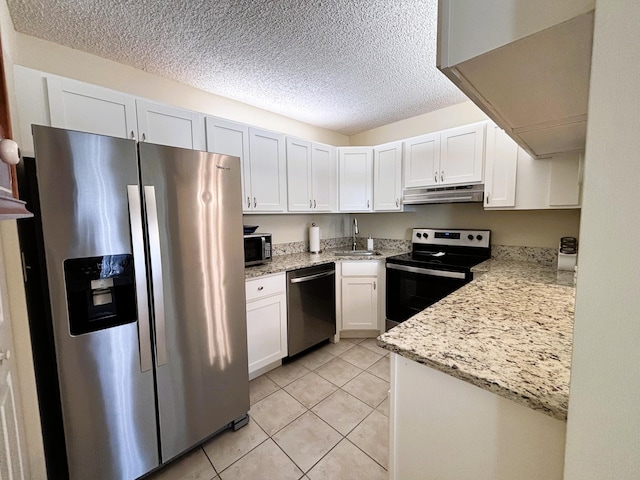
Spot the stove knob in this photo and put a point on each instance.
(419, 235)
(470, 237)
(479, 237)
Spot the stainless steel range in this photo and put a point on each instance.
(439, 263)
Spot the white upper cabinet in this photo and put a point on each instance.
(449, 157)
(323, 177)
(421, 160)
(88, 108)
(231, 138)
(311, 178)
(501, 162)
(565, 180)
(525, 64)
(462, 155)
(165, 125)
(517, 181)
(268, 171)
(355, 165)
(387, 177)
(299, 190)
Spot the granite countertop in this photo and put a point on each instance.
(293, 261)
(509, 331)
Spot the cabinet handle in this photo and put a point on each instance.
(144, 137)
(5, 356)
(367, 203)
(442, 176)
(133, 135)
(487, 198)
(397, 203)
(435, 177)
(310, 204)
(314, 204)
(248, 202)
(374, 284)
(255, 203)
(260, 288)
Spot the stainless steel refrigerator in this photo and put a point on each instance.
(142, 265)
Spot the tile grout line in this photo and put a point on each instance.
(309, 409)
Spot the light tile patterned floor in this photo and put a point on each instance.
(322, 416)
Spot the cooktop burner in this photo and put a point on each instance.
(446, 260)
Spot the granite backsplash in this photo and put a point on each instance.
(541, 255)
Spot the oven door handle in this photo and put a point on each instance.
(427, 271)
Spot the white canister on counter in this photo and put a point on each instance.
(314, 238)
(369, 243)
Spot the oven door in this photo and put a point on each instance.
(412, 289)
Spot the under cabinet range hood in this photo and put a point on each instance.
(459, 194)
(525, 64)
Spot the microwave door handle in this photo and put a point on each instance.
(156, 274)
(140, 269)
(264, 244)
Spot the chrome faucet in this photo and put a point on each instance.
(354, 233)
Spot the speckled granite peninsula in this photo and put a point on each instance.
(509, 332)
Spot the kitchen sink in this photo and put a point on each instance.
(357, 253)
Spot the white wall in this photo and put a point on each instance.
(295, 228)
(449, 117)
(534, 228)
(603, 436)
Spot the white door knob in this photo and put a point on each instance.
(5, 355)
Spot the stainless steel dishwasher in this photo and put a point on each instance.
(311, 306)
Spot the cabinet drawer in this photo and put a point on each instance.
(364, 267)
(264, 286)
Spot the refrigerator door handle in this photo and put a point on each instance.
(156, 274)
(137, 240)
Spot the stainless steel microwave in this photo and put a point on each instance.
(257, 249)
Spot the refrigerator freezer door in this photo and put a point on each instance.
(204, 384)
(107, 401)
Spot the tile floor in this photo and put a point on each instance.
(322, 416)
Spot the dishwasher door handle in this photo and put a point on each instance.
(312, 277)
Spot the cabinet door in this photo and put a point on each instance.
(299, 196)
(359, 303)
(80, 106)
(356, 178)
(266, 331)
(387, 182)
(231, 138)
(268, 171)
(165, 125)
(462, 155)
(323, 177)
(422, 161)
(500, 169)
(565, 181)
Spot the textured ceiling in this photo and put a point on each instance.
(345, 65)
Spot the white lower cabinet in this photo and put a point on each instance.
(266, 323)
(360, 296)
(449, 429)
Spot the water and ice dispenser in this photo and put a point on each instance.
(100, 292)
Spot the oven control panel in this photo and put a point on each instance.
(452, 237)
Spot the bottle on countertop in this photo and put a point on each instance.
(369, 243)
